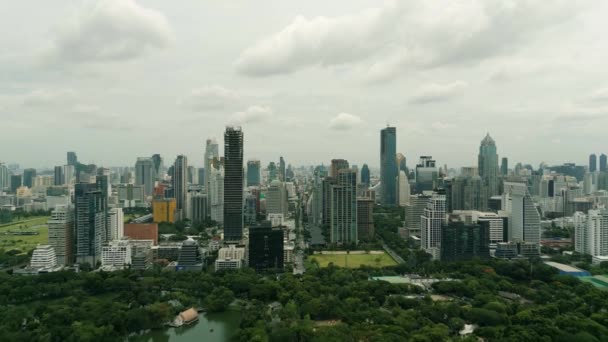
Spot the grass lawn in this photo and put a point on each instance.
(24, 243)
(354, 260)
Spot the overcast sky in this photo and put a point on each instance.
(309, 80)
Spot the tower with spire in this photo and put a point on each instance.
(488, 166)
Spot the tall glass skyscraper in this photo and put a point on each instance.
(388, 165)
(504, 166)
(365, 174)
(253, 173)
(592, 163)
(233, 184)
(488, 165)
(180, 185)
(603, 164)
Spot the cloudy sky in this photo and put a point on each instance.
(310, 80)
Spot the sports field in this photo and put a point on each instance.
(24, 243)
(354, 260)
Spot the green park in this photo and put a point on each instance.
(24, 234)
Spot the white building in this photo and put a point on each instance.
(116, 224)
(216, 194)
(403, 189)
(276, 220)
(230, 257)
(276, 198)
(524, 218)
(61, 236)
(43, 258)
(288, 253)
(116, 254)
(591, 232)
(432, 219)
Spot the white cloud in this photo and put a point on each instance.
(436, 92)
(209, 97)
(344, 121)
(404, 35)
(599, 96)
(252, 115)
(46, 97)
(111, 30)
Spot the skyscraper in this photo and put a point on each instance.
(388, 165)
(591, 232)
(180, 186)
(265, 247)
(69, 174)
(28, 177)
(592, 162)
(403, 189)
(337, 165)
(253, 173)
(89, 223)
(200, 208)
(524, 219)
(211, 153)
(504, 166)
(61, 238)
(430, 227)
(4, 177)
(401, 162)
(145, 174)
(461, 240)
(272, 171)
(158, 166)
(72, 158)
(603, 163)
(58, 178)
(281, 169)
(233, 184)
(488, 167)
(16, 181)
(276, 198)
(365, 175)
(365, 218)
(343, 222)
(426, 174)
(216, 191)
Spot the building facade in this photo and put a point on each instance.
(388, 166)
(233, 184)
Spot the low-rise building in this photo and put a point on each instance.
(230, 257)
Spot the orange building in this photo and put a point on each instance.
(142, 231)
(163, 210)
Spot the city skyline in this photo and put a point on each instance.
(156, 71)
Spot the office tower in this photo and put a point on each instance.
(61, 237)
(461, 240)
(488, 166)
(524, 219)
(231, 257)
(159, 168)
(265, 247)
(591, 232)
(465, 193)
(28, 177)
(388, 166)
(192, 175)
(72, 159)
(4, 177)
(189, 257)
(337, 165)
(431, 221)
(403, 189)
(326, 188)
(281, 169)
(116, 254)
(592, 163)
(116, 224)
(233, 184)
(216, 191)
(89, 223)
(145, 175)
(163, 210)
(401, 162)
(69, 174)
(200, 208)
(343, 223)
(365, 218)
(15, 183)
(272, 171)
(413, 212)
(426, 174)
(180, 187)
(201, 177)
(365, 179)
(276, 198)
(504, 166)
(603, 163)
(316, 207)
(58, 178)
(211, 154)
(250, 213)
(253, 173)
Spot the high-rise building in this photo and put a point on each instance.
(61, 237)
(272, 171)
(316, 205)
(281, 169)
(145, 174)
(432, 219)
(233, 184)
(163, 210)
(28, 177)
(388, 166)
(69, 174)
(603, 163)
(276, 198)
(426, 174)
(343, 223)
(216, 191)
(464, 241)
(488, 167)
(201, 177)
(265, 247)
(200, 208)
(326, 189)
(465, 193)
(44, 258)
(337, 165)
(253, 173)
(591, 232)
(211, 154)
(365, 218)
(4, 177)
(189, 256)
(504, 166)
(16, 181)
(90, 223)
(72, 159)
(413, 212)
(401, 162)
(592, 162)
(180, 186)
(116, 224)
(524, 218)
(403, 189)
(159, 168)
(250, 214)
(365, 178)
